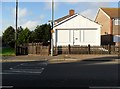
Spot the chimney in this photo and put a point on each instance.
(71, 12)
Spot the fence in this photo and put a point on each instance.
(38, 48)
(21, 50)
(106, 49)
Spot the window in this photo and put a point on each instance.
(117, 21)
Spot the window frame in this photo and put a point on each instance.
(117, 21)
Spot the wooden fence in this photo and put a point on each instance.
(107, 49)
(38, 48)
(21, 50)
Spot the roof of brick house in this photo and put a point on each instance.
(112, 12)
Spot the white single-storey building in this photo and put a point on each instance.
(75, 29)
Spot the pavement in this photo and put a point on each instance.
(58, 59)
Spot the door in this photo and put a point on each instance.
(76, 37)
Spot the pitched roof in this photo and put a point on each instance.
(62, 18)
(112, 12)
(68, 17)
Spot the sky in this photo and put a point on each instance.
(32, 14)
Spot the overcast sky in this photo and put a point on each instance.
(32, 14)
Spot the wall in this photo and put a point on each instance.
(104, 21)
(84, 37)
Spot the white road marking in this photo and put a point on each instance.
(105, 87)
(7, 73)
(25, 72)
(20, 73)
(43, 68)
(100, 63)
(30, 68)
(6, 86)
(11, 68)
(22, 64)
(14, 67)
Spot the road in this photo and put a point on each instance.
(86, 73)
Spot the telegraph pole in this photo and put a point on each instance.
(52, 28)
(16, 27)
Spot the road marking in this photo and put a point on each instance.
(26, 68)
(43, 68)
(19, 72)
(7, 73)
(11, 68)
(22, 64)
(14, 67)
(97, 87)
(102, 63)
(26, 72)
(6, 86)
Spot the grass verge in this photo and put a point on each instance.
(7, 51)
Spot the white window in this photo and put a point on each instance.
(117, 21)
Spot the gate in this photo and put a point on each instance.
(21, 50)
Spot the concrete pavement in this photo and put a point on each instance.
(57, 59)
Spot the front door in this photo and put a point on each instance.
(76, 37)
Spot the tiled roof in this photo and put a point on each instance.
(68, 17)
(112, 12)
(63, 18)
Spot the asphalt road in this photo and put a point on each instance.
(89, 73)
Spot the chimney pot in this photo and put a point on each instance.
(71, 12)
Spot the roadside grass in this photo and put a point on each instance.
(7, 51)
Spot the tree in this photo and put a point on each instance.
(32, 36)
(9, 36)
(47, 34)
(42, 33)
(19, 30)
(23, 37)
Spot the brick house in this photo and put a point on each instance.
(109, 18)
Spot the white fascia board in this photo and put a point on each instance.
(97, 14)
(66, 19)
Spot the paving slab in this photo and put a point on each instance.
(62, 58)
